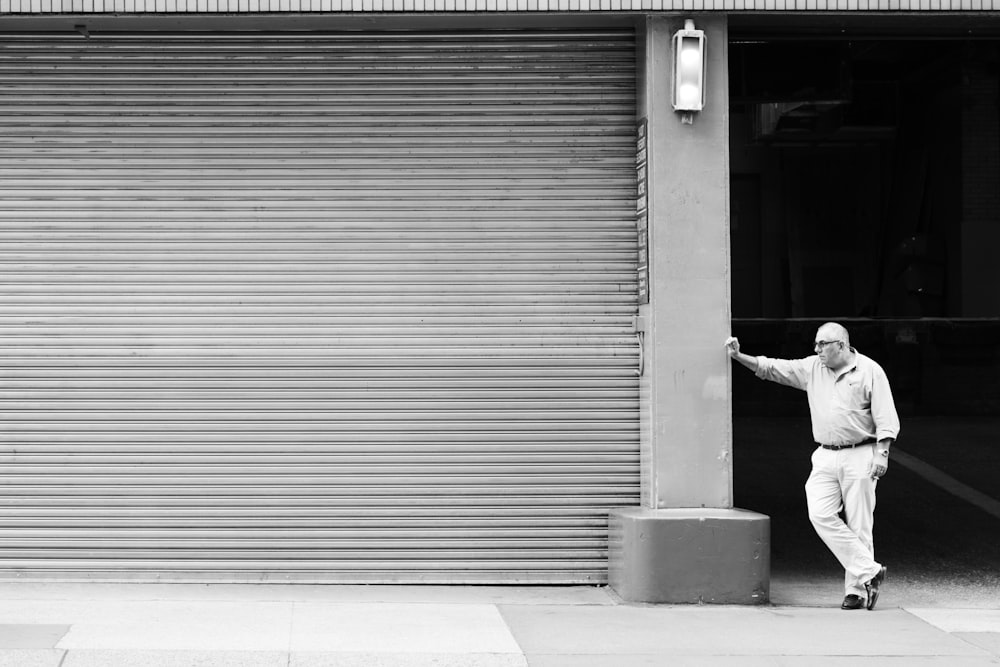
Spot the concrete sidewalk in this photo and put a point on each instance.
(191, 625)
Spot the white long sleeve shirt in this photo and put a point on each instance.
(846, 407)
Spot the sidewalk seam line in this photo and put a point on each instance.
(291, 629)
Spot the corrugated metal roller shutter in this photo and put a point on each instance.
(339, 307)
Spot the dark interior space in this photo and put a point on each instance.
(862, 171)
(865, 189)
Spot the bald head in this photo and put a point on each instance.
(833, 346)
(833, 331)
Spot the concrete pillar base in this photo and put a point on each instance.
(703, 555)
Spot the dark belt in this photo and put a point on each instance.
(866, 441)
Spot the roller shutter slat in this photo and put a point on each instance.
(317, 307)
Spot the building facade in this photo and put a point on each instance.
(377, 291)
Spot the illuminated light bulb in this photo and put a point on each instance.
(687, 94)
(690, 57)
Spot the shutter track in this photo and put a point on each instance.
(317, 307)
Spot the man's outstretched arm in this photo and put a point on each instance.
(733, 348)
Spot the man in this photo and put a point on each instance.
(854, 424)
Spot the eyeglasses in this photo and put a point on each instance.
(820, 344)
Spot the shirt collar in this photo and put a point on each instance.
(853, 366)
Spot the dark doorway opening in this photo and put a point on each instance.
(866, 189)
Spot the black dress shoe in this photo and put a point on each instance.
(872, 588)
(853, 602)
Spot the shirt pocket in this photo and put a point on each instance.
(854, 395)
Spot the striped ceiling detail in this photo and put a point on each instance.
(382, 6)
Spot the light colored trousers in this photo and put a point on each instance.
(840, 481)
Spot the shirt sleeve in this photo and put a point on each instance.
(789, 372)
(883, 406)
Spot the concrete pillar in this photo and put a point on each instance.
(686, 543)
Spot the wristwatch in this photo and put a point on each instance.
(884, 452)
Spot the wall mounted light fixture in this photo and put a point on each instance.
(689, 71)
